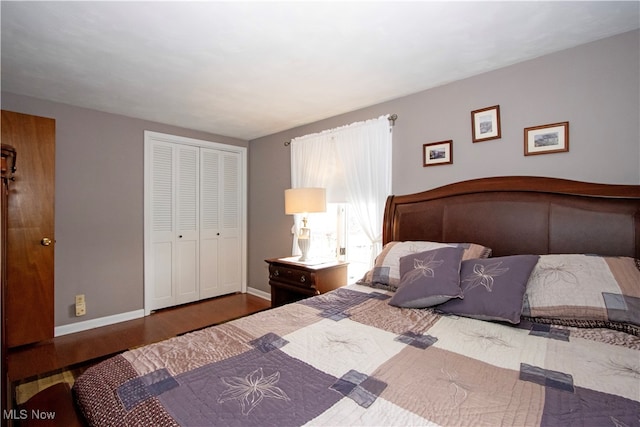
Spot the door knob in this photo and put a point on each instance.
(45, 241)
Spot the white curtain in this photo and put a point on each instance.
(310, 156)
(365, 152)
(353, 163)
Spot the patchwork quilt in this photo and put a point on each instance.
(349, 358)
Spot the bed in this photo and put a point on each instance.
(496, 301)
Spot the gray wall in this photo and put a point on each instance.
(99, 160)
(99, 223)
(595, 87)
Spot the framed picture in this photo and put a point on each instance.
(437, 153)
(553, 138)
(485, 124)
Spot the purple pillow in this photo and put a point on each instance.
(493, 288)
(429, 278)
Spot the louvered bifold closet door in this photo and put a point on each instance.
(187, 224)
(209, 222)
(230, 257)
(160, 272)
(194, 221)
(220, 220)
(175, 224)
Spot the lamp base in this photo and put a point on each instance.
(304, 243)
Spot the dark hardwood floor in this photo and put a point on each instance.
(84, 347)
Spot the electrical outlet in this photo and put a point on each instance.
(81, 309)
(81, 306)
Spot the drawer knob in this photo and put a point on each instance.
(276, 272)
(303, 279)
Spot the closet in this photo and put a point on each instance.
(195, 220)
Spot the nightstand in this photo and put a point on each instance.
(292, 281)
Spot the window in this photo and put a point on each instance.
(337, 234)
(354, 164)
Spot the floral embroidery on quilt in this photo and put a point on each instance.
(459, 391)
(623, 367)
(487, 339)
(335, 341)
(251, 389)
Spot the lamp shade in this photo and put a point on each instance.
(304, 200)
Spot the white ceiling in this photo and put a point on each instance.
(250, 69)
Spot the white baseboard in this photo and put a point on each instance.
(96, 323)
(259, 293)
(123, 317)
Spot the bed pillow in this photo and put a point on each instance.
(493, 288)
(385, 274)
(429, 278)
(572, 289)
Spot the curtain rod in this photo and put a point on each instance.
(392, 118)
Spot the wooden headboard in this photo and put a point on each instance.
(522, 215)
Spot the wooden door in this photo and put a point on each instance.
(7, 166)
(30, 235)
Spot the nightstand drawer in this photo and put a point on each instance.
(291, 275)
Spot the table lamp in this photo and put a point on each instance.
(304, 201)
